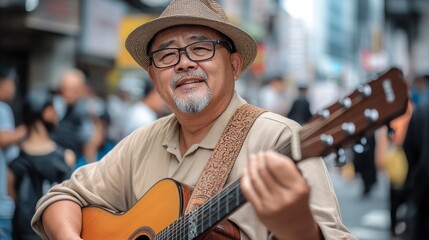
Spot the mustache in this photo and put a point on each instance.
(194, 73)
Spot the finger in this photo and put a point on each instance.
(282, 169)
(255, 166)
(266, 176)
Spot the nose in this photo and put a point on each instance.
(185, 63)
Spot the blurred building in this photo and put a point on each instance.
(45, 37)
(407, 35)
(306, 41)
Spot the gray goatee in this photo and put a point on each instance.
(193, 103)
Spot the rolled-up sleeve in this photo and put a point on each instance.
(100, 183)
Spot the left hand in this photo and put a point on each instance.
(280, 196)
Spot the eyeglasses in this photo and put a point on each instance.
(197, 51)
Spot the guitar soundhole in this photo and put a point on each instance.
(142, 238)
(143, 233)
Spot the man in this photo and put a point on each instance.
(9, 137)
(146, 110)
(194, 68)
(300, 110)
(272, 95)
(75, 127)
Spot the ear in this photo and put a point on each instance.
(237, 63)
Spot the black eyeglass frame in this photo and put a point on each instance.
(225, 44)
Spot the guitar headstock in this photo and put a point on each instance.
(369, 107)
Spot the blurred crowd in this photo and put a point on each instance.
(65, 128)
(60, 130)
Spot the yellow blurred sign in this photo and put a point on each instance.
(128, 24)
(258, 65)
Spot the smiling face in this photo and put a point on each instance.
(193, 87)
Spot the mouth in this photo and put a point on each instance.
(184, 82)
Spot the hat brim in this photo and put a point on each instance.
(137, 42)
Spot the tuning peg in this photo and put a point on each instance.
(341, 158)
(346, 102)
(324, 113)
(349, 128)
(365, 90)
(371, 114)
(361, 146)
(327, 139)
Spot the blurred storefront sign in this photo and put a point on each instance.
(57, 16)
(100, 28)
(373, 61)
(128, 24)
(258, 66)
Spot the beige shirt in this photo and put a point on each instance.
(152, 153)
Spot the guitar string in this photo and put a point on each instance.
(218, 203)
(310, 132)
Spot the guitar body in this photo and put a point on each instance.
(163, 204)
(158, 208)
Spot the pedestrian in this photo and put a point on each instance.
(129, 91)
(390, 157)
(9, 138)
(75, 128)
(300, 110)
(420, 90)
(417, 182)
(364, 163)
(146, 110)
(40, 163)
(272, 95)
(194, 55)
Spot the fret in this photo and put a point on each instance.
(226, 204)
(237, 193)
(223, 205)
(179, 231)
(218, 209)
(201, 222)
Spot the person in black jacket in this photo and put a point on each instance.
(300, 110)
(40, 163)
(417, 183)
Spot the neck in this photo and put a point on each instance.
(195, 127)
(38, 135)
(193, 133)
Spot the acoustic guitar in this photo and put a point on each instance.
(159, 214)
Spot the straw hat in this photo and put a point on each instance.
(195, 12)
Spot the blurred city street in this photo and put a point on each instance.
(308, 60)
(366, 217)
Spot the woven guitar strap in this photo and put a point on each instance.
(219, 165)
